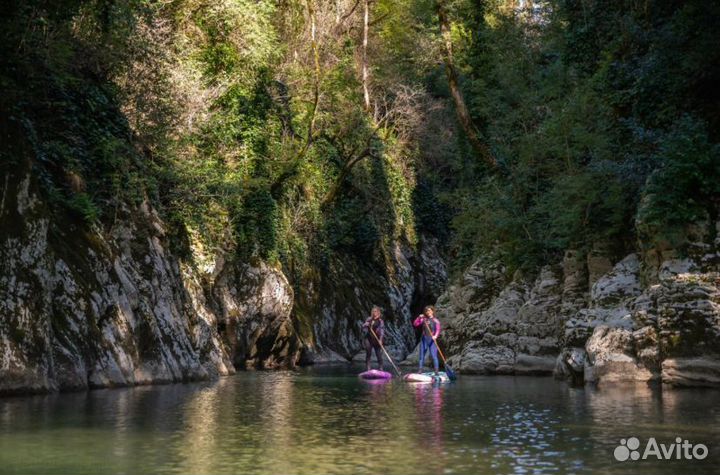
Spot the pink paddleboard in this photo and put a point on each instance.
(375, 374)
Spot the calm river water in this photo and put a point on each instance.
(326, 421)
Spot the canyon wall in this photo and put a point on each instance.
(651, 316)
(88, 308)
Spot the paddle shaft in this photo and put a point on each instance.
(384, 350)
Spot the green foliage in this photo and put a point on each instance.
(256, 225)
(76, 129)
(685, 188)
(245, 134)
(578, 210)
(186, 103)
(83, 206)
(580, 108)
(432, 216)
(350, 230)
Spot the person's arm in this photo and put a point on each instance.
(437, 328)
(418, 321)
(381, 331)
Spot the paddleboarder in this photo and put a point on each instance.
(374, 328)
(430, 331)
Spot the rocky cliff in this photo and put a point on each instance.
(89, 307)
(336, 300)
(651, 316)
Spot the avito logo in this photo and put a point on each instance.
(680, 450)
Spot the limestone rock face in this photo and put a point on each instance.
(649, 317)
(699, 371)
(333, 304)
(609, 301)
(612, 357)
(82, 310)
(96, 308)
(255, 304)
(639, 332)
(514, 331)
(475, 291)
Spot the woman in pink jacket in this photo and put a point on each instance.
(430, 331)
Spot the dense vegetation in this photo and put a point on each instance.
(604, 116)
(295, 130)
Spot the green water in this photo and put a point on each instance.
(327, 421)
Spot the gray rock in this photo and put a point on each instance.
(412, 358)
(255, 304)
(570, 365)
(611, 358)
(598, 264)
(478, 359)
(702, 371)
(617, 286)
(325, 357)
(335, 304)
(534, 365)
(617, 330)
(522, 319)
(97, 311)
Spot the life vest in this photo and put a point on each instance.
(433, 323)
(378, 326)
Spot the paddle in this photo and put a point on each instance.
(384, 351)
(451, 374)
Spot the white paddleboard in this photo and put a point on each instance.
(428, 377)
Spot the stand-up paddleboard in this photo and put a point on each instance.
(375, 374)
(428, 377)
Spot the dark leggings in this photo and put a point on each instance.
(427, 345)
(368, 354)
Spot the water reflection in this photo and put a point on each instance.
(331, 422)
(429, 420)
(201, 420)
(276, 411)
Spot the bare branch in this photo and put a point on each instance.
(342, 176)
(349, 13)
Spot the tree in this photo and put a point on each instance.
(463, 114)
(366, 27)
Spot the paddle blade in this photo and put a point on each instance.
(450, 372)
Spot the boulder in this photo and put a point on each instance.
(611, 358)
(478, 359)
(570, 365)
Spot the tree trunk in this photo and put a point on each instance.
(366, 26)
(316, 68)
(463, 114)
(293, 168)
